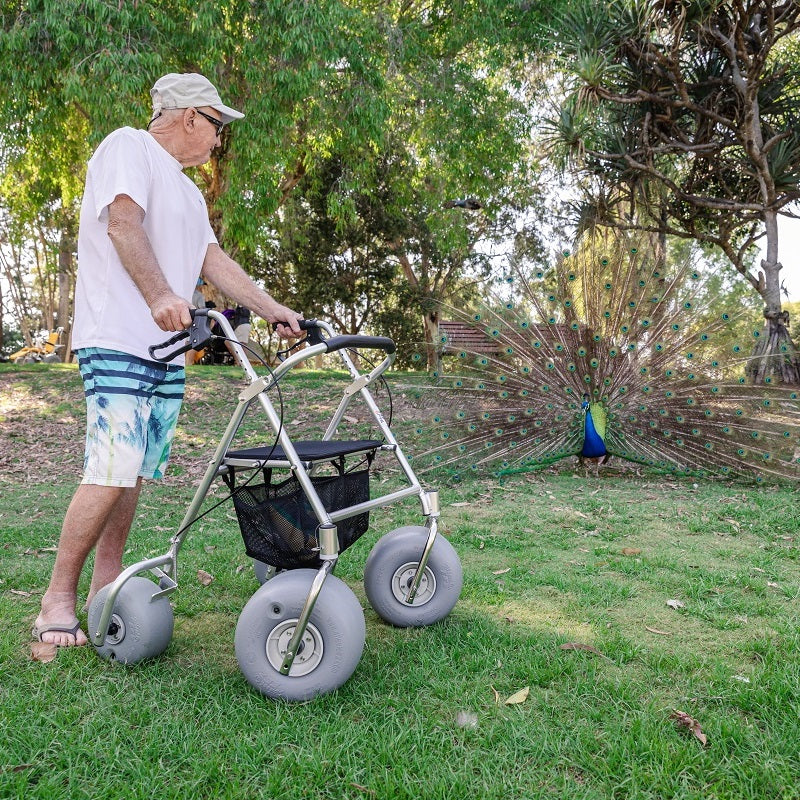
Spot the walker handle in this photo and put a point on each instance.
(310, 325)
(198, 333)
(346, 340)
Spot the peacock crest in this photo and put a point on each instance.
(608, 354)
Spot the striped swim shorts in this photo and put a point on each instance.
(132, 408)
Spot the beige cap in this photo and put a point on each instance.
(189, 90)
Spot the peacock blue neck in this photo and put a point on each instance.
(593, 444)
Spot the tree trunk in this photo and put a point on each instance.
(65, 272)
(430, 316)
(775, 358)
(430, 320)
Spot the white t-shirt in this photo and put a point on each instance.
(109, 310)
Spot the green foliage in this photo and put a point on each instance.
(334, 80)
(337, 259)
(689, 111)
(11, 341)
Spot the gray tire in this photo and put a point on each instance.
(331, 648)
(139, 628)
(264, 572)
(390, 569)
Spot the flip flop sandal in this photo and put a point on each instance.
(36, 632)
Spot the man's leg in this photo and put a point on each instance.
(90, 514)
(111, 545)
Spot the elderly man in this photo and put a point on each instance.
(144, 239)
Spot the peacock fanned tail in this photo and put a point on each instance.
(652, 357)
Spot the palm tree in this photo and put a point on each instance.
(687, 114)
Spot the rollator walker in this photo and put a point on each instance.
(302, 632)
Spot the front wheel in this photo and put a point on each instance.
(329, 651)
(391, 567)
(140, 627)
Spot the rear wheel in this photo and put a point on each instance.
(139, 628)
(264, 572)
(329, 651)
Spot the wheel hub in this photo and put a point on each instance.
(116, 630)
(309, 651)
(403, 578)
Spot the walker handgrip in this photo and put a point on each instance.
(311, 326)
(346, 340)
(198, 333)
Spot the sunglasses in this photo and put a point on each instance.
(217, 123)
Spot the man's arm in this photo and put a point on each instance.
(125, 218)
(221, 270)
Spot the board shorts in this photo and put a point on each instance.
(132, 408)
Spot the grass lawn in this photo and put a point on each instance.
(603, 604)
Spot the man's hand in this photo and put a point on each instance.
(170, 312)
(287, 321)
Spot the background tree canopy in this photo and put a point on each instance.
(369, 125)
(330, 81)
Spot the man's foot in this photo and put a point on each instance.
(60, 635)
(57, 623)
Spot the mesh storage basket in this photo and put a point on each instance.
(279, 527)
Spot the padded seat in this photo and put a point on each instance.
(307, 450)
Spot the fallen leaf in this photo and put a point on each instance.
(581, 646)
(684, 720)
(501, 571)
(43, 651)
(210, 548)
(741, 678)
(656, 630)
(22, 593)
(518, 697)
(771, 584)
(496, 695)
(631, 551)
(204, 577)
(676, 604)
(459, 505)
(351, 420)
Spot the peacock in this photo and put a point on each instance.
(611, 353)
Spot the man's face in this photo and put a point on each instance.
(206, 134)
